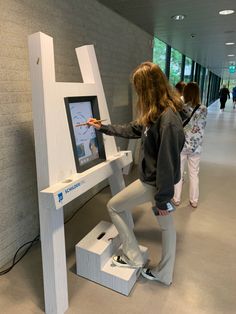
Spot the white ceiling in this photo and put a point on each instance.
(211, 30)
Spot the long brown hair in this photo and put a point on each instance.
(192, 94)
(180, 87)
(155, 94)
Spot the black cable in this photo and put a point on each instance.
(36, 239)
(14, 262)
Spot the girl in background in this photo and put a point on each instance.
(191, 153)
(180, 88)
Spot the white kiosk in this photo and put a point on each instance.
(57, 176)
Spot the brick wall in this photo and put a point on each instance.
(119, 46)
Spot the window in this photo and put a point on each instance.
(187, 69)
(159, 53)
(232, 84)
(202, 80)
(205, 88)
(175, 66)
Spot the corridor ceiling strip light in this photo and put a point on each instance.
(229, 44)
(178, 17)
(231, 55)
(226, 12)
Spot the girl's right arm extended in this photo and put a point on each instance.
(129, 130)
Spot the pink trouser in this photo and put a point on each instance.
(193, 161)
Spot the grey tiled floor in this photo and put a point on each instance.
(205, 271)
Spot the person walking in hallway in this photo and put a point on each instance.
(159, 126)
(234, 96)
(224, 94)
(194, 131)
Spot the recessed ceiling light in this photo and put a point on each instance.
(229, 44)
(231, 55)
(178, 17)
(226, 12)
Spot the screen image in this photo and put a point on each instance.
(87, 142)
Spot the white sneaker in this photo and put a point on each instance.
(146, 272)
(120, 262)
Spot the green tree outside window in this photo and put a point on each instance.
(230, 83)
(187, 69)
(175, 66)
(205, 88)
(159, 53)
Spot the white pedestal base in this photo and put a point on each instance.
(94, 259)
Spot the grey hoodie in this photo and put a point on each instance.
(161, 145)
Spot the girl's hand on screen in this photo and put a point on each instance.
(95, 123)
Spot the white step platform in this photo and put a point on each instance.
(94, 259)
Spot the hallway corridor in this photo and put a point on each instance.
(205, 270)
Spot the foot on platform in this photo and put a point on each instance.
(120, 261)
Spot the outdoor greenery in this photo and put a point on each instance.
(175, 66)
(204, 79)
(205, 88)
(187, 69)
(159, 53)
(230, 83)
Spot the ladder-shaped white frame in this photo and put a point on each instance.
(55, 163)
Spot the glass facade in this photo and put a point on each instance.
(159, 53)
(230, 84)
(187, 70)
(179, 67)
(175, 66)
(205, 87)
(202, 80)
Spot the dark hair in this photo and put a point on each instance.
(155, 94)
(180, 87)
(192, 93)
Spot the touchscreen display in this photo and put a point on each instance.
(87, 142)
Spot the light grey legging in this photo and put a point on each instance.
(119, 208)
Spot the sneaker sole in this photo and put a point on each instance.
(149, 277)
(155, 279)
(125, 265)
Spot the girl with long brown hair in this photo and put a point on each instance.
(159, 125)
(194, 131)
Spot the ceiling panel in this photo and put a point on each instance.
(201, 35)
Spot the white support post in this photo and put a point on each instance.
(51, 222)
(54, 259)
